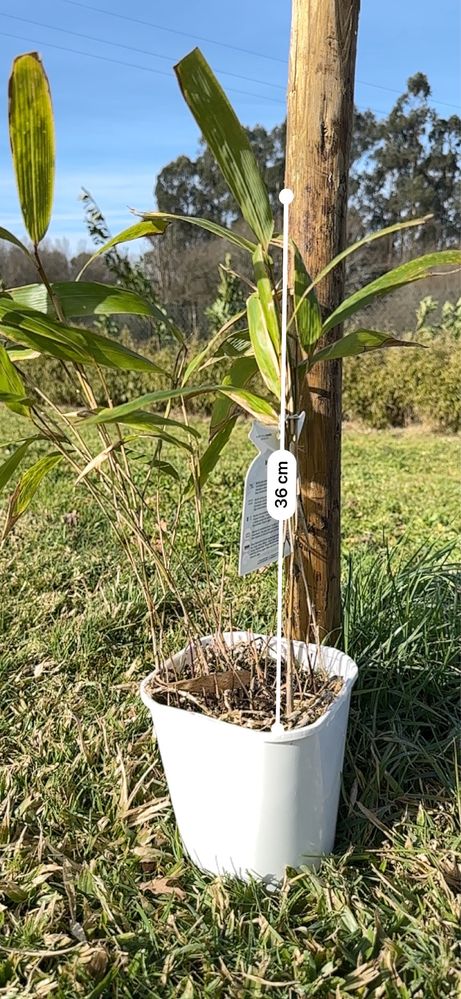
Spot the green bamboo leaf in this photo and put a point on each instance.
(266, 298)
(140, 420)
(234, 345)
(40, 332)
(165, 468)
(359, 342)
(155, 223)
(136, 231)
(241, 372)
(79, 299)
(251, 403)
(11, 383)
(263, 347)
(26, 489)
(308, 315)
(22, 354)
(397, 227)
(259, 408)
(227, 140)
(10, 465)
(7, 397)
(216, 230)
(117, 414)
(413, 270)
(211, 456)
(32, 142)
(211, 347)
(11, 238)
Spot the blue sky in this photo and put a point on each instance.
(117, 125)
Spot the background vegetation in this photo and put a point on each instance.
(96, 897)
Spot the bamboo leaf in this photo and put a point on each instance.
(26, 489)
(240, 373)
(140, 420)
(263, 347)
(253, 404)
(22, 354)
(79, 299)
(97, 461)
(39, 332)
(166, 468)
(7, 397)
(266, 298)
(211, 456)
(359, 342)
(211, 347)
(250, 403)
(413, 270)
(136, 231)
(227, 140)
(397, 227)
(10, 465)
(118, 413)
(11, 383)
(234, 345)
(216, 230)
(155, 223)
(11, 238)
(308, 315)
(32, 142)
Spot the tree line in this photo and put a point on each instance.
(406, 164)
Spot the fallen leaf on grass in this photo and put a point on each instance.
(163, 886)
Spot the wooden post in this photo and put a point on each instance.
(319, 124)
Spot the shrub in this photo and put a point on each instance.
(394, 390)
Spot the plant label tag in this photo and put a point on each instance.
(259, 531)
(281, 484)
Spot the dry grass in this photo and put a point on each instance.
(96, 896)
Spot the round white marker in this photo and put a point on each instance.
(286, 196)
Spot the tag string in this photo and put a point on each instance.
(286, 197)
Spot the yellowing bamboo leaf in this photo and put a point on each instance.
(97, 461)
(32, 142)
(266, 298)
(263, 347)
(26, 489)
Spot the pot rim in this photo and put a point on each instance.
(287, 735)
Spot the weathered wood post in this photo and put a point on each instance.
(319, 124)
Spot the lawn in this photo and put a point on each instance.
(96, 898)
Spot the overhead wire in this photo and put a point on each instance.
(147, 69)
(226, 45)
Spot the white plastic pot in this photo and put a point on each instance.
(251, 803)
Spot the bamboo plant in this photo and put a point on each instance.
(37, 320)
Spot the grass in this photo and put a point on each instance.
(96, 896)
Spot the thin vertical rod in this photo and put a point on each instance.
(286, 197)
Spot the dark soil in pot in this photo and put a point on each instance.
(237, 685)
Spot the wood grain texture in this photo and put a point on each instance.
(320, 114)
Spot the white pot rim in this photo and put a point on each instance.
(288, 735)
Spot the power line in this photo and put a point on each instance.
(149, 69)
(174, 31)
(131, 48)
(226, 45)
(130, 65)
(392, 90)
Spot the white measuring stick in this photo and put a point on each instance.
(281, 466)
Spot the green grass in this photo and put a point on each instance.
(85, 819)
